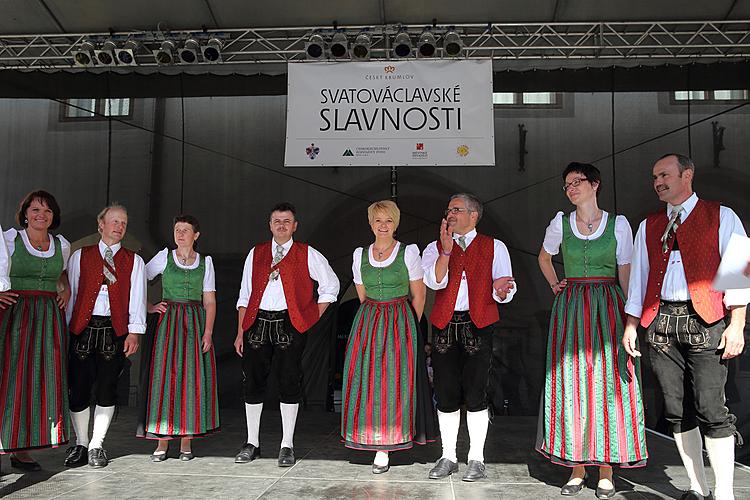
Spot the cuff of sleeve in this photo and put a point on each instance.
(551, 252)
(4, 283)
(240, 304)
(137, 328)
(634, 310)
(326, 298)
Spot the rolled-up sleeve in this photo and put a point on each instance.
(429, 258)
(321, 271)
(246, 285)
(501, 267)
(639, 268)
(730, 224)
(137, 308)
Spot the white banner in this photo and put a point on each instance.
(390, 113)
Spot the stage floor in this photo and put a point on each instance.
(326, 470)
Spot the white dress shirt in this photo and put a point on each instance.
(674, 287)
(158, 263)
(623, 234)
(411, 259)
(137, 302)
(273, 296)
(500, 267)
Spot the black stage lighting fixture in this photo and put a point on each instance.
(339, 46)
(105, 55)
(164, 55)
(126, 53)
(402, 45)
(188, 54)
(212, 51)
(426, 46)
(84, 56)
(315, 47)
(361, 47)
(452, 44)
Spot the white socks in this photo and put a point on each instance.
(721, 455)
(381, 458)
(252, 413)
(81, 426)
(477, 422)
(690, 446)
(288, 421)
(449, 423)
(102, 418)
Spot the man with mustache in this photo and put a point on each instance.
(471, 274)
(692, 328)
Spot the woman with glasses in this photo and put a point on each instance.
(592, 412)
(386, 403)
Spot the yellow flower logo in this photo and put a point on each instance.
(462, 150)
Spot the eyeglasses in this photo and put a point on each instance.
(456, 210)
(574, 183)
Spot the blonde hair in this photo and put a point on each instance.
(386, 207)
(114, 206)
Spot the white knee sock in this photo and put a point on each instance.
(81, 426)
(449, 423)
(721, 455)
(690, 446)
(477, 422)
(288, 421)
(381, 458)
(252, 413)
(102, 418)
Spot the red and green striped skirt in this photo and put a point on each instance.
(181, 400)
(379, 397)
(33, 383)
(592, 411)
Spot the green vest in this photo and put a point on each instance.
(182, 284)
(385, 283)
(590, 258)
(28, 272)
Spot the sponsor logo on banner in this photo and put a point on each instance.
(312, 151)
(389, 69)
(419, 153)
(462, 151)
(348, 152)
(420, 146)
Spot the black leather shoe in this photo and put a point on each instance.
(98, 457)
(158, 457)
(380, 469)
(694, 495)
(286, 457)
(27, 466)
(248, 453)
(186, 456)
(443, 468)
(474, 471)
(76, 456)
(604, 493)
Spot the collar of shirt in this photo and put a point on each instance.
(687, 207)
(103, 247)
(469, 236)
(286, 246)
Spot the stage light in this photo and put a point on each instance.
(84, 55)
(188, 54)
(164, 55)
(426, 46)
(126, 54)
(315, 47)
(212, 51)
(105, 56)
(361, 47)
(339, 46)
(452, 44)
(402, 45)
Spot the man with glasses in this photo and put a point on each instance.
(471, 274)
(692, 329)
(276, 307)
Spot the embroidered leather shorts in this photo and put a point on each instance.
(97, 338)
(461, 330)
(680, 321)
(270, 328)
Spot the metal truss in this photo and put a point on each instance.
(607, 41)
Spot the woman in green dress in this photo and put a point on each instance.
(386, 403)
(33, 333)
(182, 399)
(592, 412)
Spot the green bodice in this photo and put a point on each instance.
(29, 272)
(182, 284)
(590, 258)
(385, 283)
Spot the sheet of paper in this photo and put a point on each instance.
(731, 273)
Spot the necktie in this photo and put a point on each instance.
(462, 242)
(109, 266)
(277, 256)
(671, 229)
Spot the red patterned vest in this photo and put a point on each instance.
(90, 282)
(476, 262)
(298, 286)
(698, 241)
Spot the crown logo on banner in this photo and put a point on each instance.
(389, 69)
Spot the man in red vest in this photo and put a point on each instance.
(471, 274)
(106, 315)
(692, 329)
(276, 307)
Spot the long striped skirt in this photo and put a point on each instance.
(33, 383)
(591, 411)
(182, 400)
(379, 396)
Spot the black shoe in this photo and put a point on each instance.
(694, 495)
(158, 457)
(286, 457)
(27, 466)
(248, 453)
(443, 468)
(98, 457)
(474, 471)
(570, 490)
(76, 456)
(604, 493)
(380, 469)
(186, 456)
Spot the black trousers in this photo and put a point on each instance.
(95, 360)
(272, 346)
(461, 364)
(690, 371)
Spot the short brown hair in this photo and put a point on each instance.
(386, 207)
(43, 197)
(188, 219)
